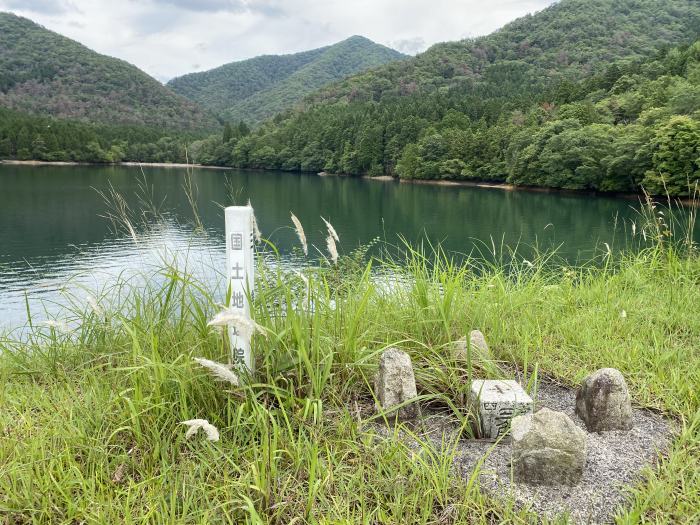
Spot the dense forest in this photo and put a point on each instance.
(584, 95)
(34, 137)
(45, 73)
(256, 89)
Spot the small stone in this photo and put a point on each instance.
(479, 348)
(548, 449)
(395, 383)
(459, 349)
(497, 402)
(478, 342)
(603, 401)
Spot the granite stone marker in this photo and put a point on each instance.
(548, 449)
(498, 402)
(603, 401)
(395, 383)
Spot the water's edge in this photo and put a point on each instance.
(636, 196)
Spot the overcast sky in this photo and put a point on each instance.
(167, 38)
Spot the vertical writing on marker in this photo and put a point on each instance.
(240, 276)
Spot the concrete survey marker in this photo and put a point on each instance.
(240, 264)
(498, 402)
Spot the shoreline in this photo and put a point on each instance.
(131, 164)
(513, 187)
(382, 178)
(500, 186)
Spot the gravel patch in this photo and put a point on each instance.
(614, 462)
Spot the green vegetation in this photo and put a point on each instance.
(568, 41)
(31, 137)
(45, 73)
(91, 418)
(578, 96)
(256, 89)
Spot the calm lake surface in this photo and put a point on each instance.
(54, 237)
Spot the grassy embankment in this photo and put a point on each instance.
(90, 420)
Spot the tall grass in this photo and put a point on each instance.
(91, 417)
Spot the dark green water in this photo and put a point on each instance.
(52, 232)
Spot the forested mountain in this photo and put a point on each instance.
(255, 89)
(583, 95)
(45, 73)
(569, 40)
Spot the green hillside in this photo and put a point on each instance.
(586, 90)
(253, 90)
(569, 40)
(43, 72)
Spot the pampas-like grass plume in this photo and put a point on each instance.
(59, 326)
(256, 232)
(331, 230)
(195, 424)
(92, 303)
(332, 250)
(219, 371)
(300, 232)
(244, 325)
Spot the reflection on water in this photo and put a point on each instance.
(53, 233)
(50, 281)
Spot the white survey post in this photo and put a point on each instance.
(241, 276)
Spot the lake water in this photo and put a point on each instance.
(53, 234)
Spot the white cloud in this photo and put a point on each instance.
(410, 46)
(167, 38)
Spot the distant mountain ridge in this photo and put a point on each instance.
(571, 39)
(586, 94)
(42, 72)
(258, 88)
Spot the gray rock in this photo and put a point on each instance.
(603, 401)
(548, 449)
(395, 383)
(478, 342)
(479, 348)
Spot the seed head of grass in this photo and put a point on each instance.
(256, 231)
(245, 326)
(331, 230)
(195, 424)
(300, 233)
(332, 249)
(218, 370)
(56, 324)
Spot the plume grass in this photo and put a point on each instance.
(300, 233)
(332, 249)
(331, 230)
(219, 371)
(195, 425)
